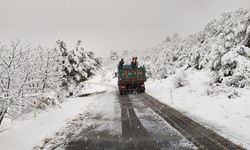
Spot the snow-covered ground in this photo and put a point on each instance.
(208, 105)
(228, 117)
(90, 88)
(101, 116)
(25, 133)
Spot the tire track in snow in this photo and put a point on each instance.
(202, 137)
(134, 134)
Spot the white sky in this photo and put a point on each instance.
(105, 25)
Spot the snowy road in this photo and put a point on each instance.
(137, 121)
(128, 124)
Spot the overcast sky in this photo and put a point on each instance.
(105, 25)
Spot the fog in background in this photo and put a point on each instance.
(105, 25)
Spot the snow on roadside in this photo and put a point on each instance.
(24, 134)
(100, 117)
(90, 88)
(229, 117)
(104, 78)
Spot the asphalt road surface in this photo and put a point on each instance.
(146, 124)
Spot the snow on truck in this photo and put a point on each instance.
(131, 79)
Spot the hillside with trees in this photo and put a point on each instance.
(33, 78)
(222, 47)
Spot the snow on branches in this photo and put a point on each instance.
(76, 65)
(29, 74)
(24, 71)
(223, 47)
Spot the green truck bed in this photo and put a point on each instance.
(127, 73)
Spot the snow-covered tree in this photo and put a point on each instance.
(114, 55)
(77, 65)
(28, 74)
(221, 47)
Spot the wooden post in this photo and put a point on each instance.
(171, 96)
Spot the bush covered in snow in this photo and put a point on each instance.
(216, 89)
(180, 80)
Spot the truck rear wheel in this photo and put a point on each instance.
(122, 92)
